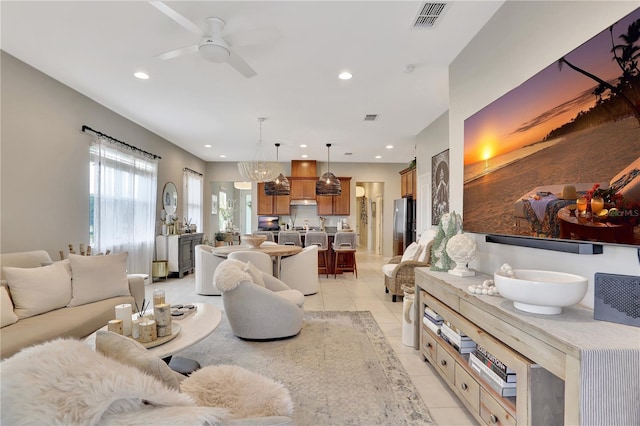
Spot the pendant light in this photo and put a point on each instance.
(328, 184)
(280, 185)
(259, 170)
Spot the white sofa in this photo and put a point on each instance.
(76, 321)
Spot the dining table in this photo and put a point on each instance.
(276, 251)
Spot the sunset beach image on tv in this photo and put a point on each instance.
(572, 126)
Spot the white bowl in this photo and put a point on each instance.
(253, 240)
(541, 292)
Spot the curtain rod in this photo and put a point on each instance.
(186, 169)
(112, 139)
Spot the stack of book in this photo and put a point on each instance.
(432, 320)
(456, 338)
(493, 371)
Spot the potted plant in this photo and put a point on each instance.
(220, 236)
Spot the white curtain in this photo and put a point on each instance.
(123, 194)
(192, 184)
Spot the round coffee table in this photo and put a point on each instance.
(194, 328)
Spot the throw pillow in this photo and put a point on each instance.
(256, 274)
(130, 352)
(98, 277)
(38, 290)
(425, 255)
(7, 316)
(229, 274)
(411, 252)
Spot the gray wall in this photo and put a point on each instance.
(521, 39)
(45, 159)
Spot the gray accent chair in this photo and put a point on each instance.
(258, 313)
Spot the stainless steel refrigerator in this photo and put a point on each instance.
(404, 224)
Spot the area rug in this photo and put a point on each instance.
(340, 370)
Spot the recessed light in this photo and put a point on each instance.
(223, 156)
(207, 146)
(141, 75)
(303, 145)
(305, 156)
(389, 146)
(378, 156)
(345, 75)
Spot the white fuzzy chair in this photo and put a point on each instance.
(299, 271)
(205, 266)
(261, 260)
(258, 305)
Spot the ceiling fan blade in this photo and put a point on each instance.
(240, 65)
(184, 22)
(178, 52)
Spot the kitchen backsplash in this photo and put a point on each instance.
(310, 213)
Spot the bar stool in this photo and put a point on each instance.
(344, 244)
(269, 234)
(321, 240)
(289, 238)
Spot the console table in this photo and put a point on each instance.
(179, 251)
(548, 353)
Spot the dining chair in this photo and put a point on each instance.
(320, 239)
(344, 246)
(262, 261)
(291, 238)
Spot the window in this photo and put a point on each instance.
(192, 183)
(122, 200)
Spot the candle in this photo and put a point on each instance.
(115, 326)
(135, 326)
(158, 297)
(123, 312)
(162, 315)
(148, 332)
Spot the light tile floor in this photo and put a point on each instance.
(366, 293)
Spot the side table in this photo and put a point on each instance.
(160, 268)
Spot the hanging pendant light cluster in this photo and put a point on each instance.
(280, 185)
(259, 170)
(328, 184)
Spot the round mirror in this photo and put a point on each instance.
(170, 198)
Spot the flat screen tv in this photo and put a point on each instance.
(268, 223)
(570, 131)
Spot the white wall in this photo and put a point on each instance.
(44, 177)
(431, 141)
(521, 39)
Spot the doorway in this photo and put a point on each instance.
(369, 199)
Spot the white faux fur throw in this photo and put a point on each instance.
(66, 382)
(245, 393)
(229, 274)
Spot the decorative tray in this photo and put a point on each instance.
(175, 330)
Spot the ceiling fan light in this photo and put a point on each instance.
(214, 52)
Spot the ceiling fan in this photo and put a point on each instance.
(212, 46)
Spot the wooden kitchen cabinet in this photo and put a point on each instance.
(303, 188)
(408, 183)
(272, 204)
(336, 205)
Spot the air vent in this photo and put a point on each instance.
(371, 117)
(348, 153)
(429, 15)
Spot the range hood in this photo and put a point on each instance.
(305, 202)
(303, 178)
